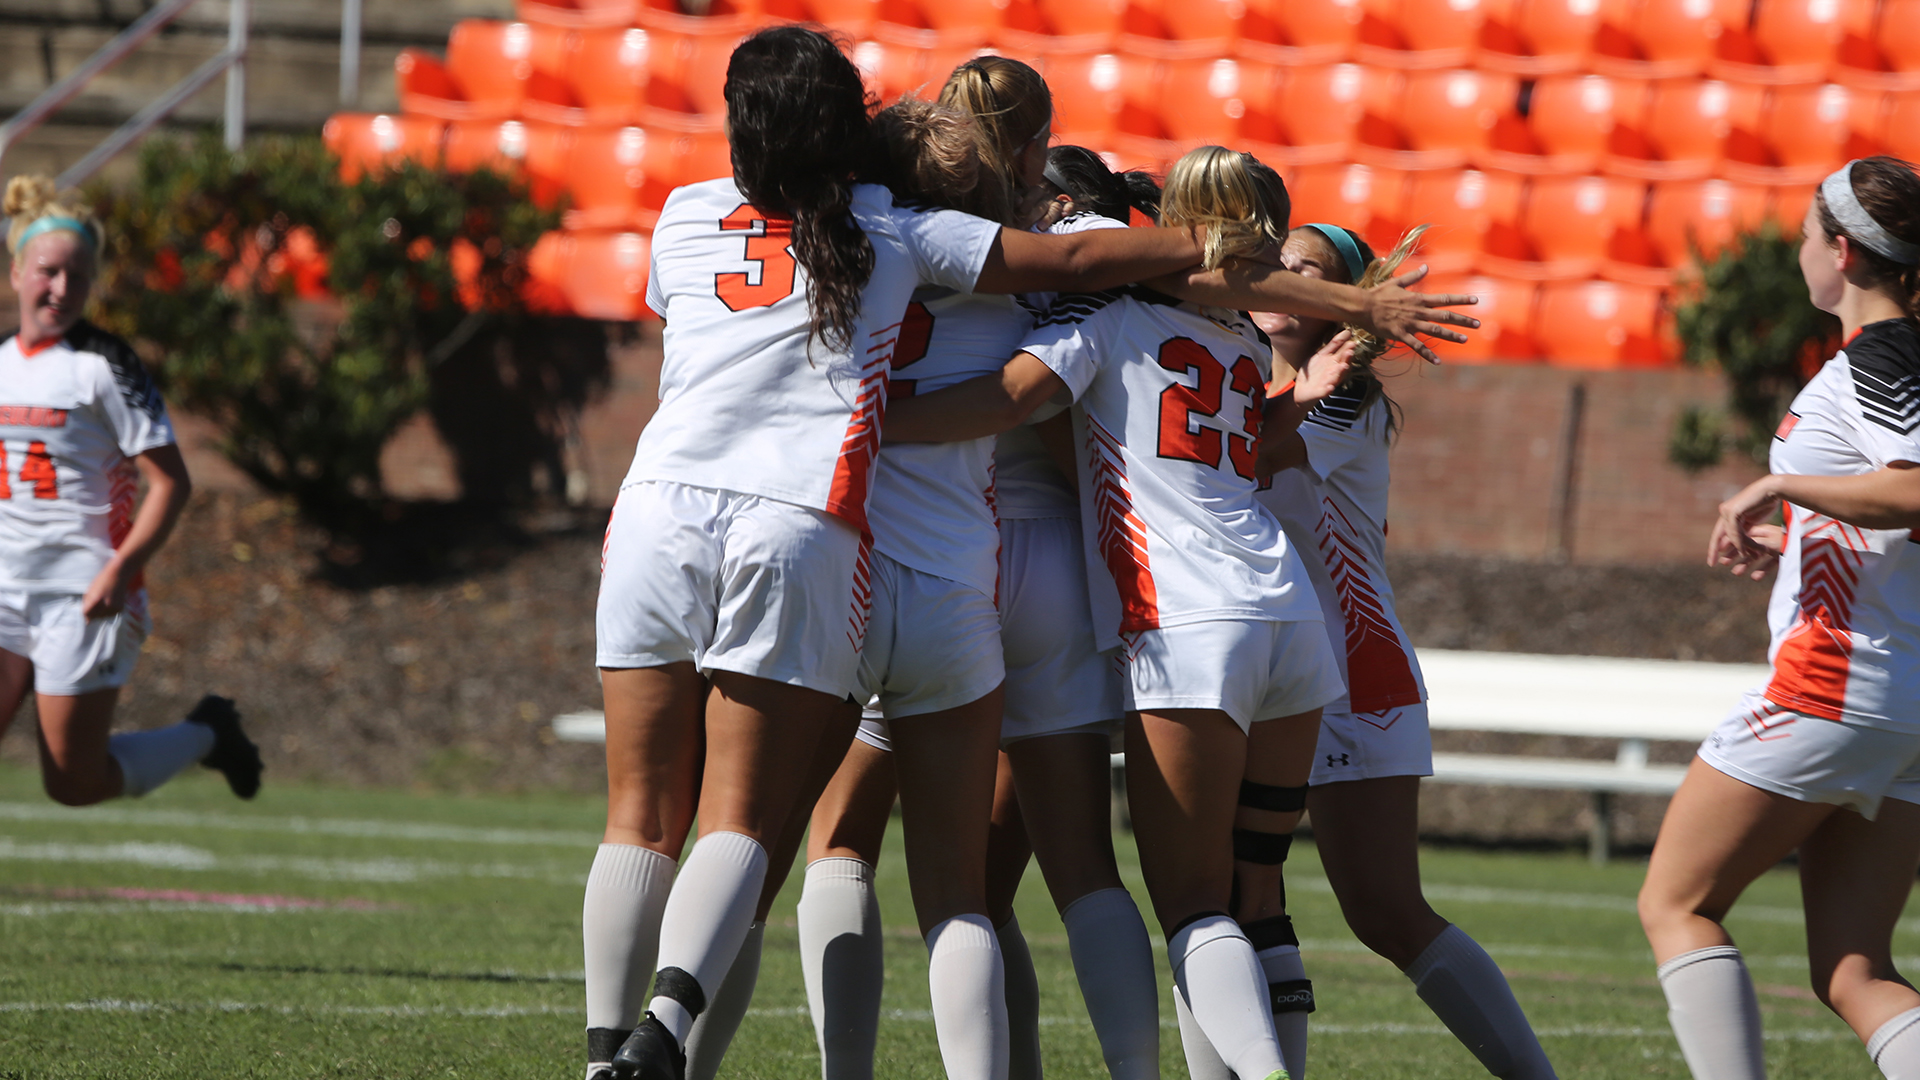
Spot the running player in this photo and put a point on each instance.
(1825, 758)
(1212, 610)
(1329, 492)
(734, 599)
(81, 425)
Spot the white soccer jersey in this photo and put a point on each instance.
(1170, 401)
(1027, 482)
(747, 403)
(73, 414)
(1334, 509)
(933, 503)
(1845, 612)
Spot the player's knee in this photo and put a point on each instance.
(69, 790)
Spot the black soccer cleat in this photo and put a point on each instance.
(650, 1053)
(233, 753)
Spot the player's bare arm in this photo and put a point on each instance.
(1281, 446)
(1885, 499)
(168, 486)
(1085, 261)
(981, 406)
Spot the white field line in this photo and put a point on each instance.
(169, 907)
(378, 830)
(922, 1016)
(184, 857)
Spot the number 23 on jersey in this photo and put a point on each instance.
(36, 472)
(1182, 435)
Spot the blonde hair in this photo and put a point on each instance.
(1242, 203)
(936, 155)
(1012, 105)
(30, 198)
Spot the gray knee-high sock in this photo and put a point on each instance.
(713, 1032)
(1023, 1002)
(620, 928)
(1465, 989)
(1113, 960)
(1203, 1061)
(1895, 1047)
(842, 961)
(706, 919)
(148, 759)
(1714, 1014)
(969, 991)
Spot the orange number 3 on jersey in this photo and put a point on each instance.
(768, 243)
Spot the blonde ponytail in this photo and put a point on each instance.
(1242, 203)
(1012, 105)
(30, 199)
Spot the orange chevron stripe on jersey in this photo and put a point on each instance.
(1810, 668)
(1122, 536)
(1379, 672)
(853, 472)
(125, 488)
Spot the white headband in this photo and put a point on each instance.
(1859, 225)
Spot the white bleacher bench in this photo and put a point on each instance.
(1634, 701)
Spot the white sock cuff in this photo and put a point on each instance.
(1197, 935)
(734, 849)
(628, 867)
(961, 932)
(1094, 901)
(1889, 1031)
(1452, 944)
(1685, 959)
(840, 869)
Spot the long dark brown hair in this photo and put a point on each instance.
(798, 125)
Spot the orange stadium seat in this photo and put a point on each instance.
(1599, 324)
(1223, 101)
(1464, 208)
(1799, 41)
(1570, 122)
(1706, 213)
(1422, 34)
(1575, 224)
(1505, 312)
(1673, 38)
(1898, 34)
(1301, 31)
(606, 276)
(610, 72)
(1191, 20)
(1367, 199)
(577, 14)
(947, 53)
(544, 291)
(494, 63)
(686, 72)
(1811, 129)
(891, 68)
(1902, 131)
(1456, 110)
(425, 87)
(1324, 106)
(669, 15)
(535, 150)
(848, 16)
(620, 177)
(1690, 127)
(1548, 37)
(368, 142)
(1102, 19)
(1100, 93)
(1787, 206)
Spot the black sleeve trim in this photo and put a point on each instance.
(136, 385)
(1339, 410)
(1885, 360)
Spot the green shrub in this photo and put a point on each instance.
(1746, 312)
(308, 317)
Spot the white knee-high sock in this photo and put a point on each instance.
(1465, 989)
(620, 928)
(1203, 1061)
(842, 961)
(1215, 969)
(1282, 964)
(1023, 1002)
(150, 758)
(1895, 1047)
(1714, 1013)
(1113, 960)
(707, 918)
(713, 1032)
(969, 998)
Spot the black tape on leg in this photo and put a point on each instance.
(1281, 800)
(1271, 933)
(1265, 848)
(680, 986)
(1294, 995)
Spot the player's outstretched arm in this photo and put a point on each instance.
(1389, 309)
(168, 486)
(1085, 261)
(981, 406)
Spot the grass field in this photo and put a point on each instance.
(329, 933)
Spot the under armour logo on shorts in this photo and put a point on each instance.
(1331, 763)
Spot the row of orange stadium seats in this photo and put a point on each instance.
(596, 274)
(1759, 40)
(1580, 324)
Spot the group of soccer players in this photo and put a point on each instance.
(956, 482)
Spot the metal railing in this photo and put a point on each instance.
(231, 62)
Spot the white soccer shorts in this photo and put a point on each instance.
(1252, 670)
(1813, 759)
(731, 582)
(1057, 682)
(933, 643)
(1369, 746)
(72, 654)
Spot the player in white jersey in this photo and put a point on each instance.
(1330, 495)
(81, 424)
(1825, 758)
(737, 580)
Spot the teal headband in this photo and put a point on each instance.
(56, 223)
(1342, 241)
